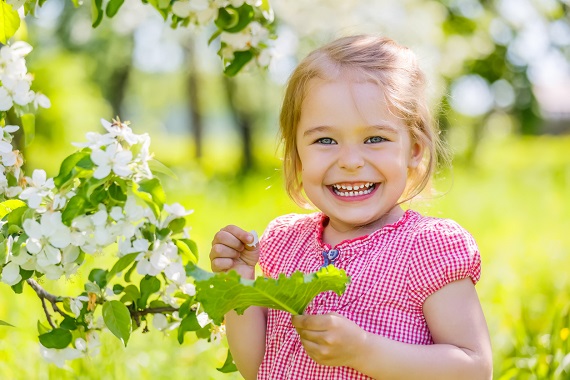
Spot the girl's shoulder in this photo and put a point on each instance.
(443, 251)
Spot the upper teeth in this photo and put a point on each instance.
(353, 190)
(353, 187)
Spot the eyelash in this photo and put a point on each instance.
(378, 138)
(321, 141)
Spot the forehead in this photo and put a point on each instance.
(345, 102)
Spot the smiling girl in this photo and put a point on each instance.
(359, 142)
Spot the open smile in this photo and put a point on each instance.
(353, 190)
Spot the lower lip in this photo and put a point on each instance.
(354, 198)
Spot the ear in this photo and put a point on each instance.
(416, 154)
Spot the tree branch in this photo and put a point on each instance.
(45, 295)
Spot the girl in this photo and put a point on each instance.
(358, 143)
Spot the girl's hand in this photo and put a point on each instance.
(330, 339)
(230, 250)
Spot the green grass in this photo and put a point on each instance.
(513, 199)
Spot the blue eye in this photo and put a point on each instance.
(375, 140)
(325, 141)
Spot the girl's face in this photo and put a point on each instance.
(354, 153)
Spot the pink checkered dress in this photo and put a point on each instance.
(393, 270)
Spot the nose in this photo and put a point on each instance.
(350, 157)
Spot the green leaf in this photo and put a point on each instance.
(185, 308)
(75, 207)
(8, 206)
(121, 264)
(96, 12)
(9, 22)
(229, 365)
(186, 248)
(98, 276)
(177, 225)
(234, 20)
(156, 166)
(154, 188)
(42, 329)
(117, 192)
(113, 7)
(29, 124)
(68, 323)
(190, 323)
(117, 319)
(56, 338)
(149, 285)
(66, 168)
(2, 323)
(132, 293)
(240, 59)
(147, 198)
(222, 292)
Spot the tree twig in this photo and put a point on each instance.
(45, 295)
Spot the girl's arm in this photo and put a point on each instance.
(246, 338)
(461, 348)
(233, 249)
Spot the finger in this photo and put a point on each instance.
(243, 236)
(310, 322)
(221, 264)
(228, 239)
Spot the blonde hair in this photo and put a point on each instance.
(395, 69)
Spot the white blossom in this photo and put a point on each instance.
(113, 158)
(95, 140)
(38, 187)
(120, 131)
(11, 274)
(76, 304)
(59, 357)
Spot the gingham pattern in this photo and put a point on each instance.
(393, 270)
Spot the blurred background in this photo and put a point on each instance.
(499, 73)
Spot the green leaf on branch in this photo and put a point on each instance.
(229, 365)
(118, 320)
(8, 206)
(187, 249)
(96, 12)
(222, 292)
(66, 168)
(74, 208)
(154, 188)
(190, 323)
(240, 60)
(113, 7)
(56, 338)
(98, 276)
(234, 20)
(177, 225)
(156, 166)
(121, 264)
(132, 293)
(2, 323)
(149, 285)
(9, 22)
(152, 194)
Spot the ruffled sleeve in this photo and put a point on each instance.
(443, 252)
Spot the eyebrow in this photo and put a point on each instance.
(326, 128)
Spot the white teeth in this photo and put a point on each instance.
(353, 190)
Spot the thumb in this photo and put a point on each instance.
(254, 242)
